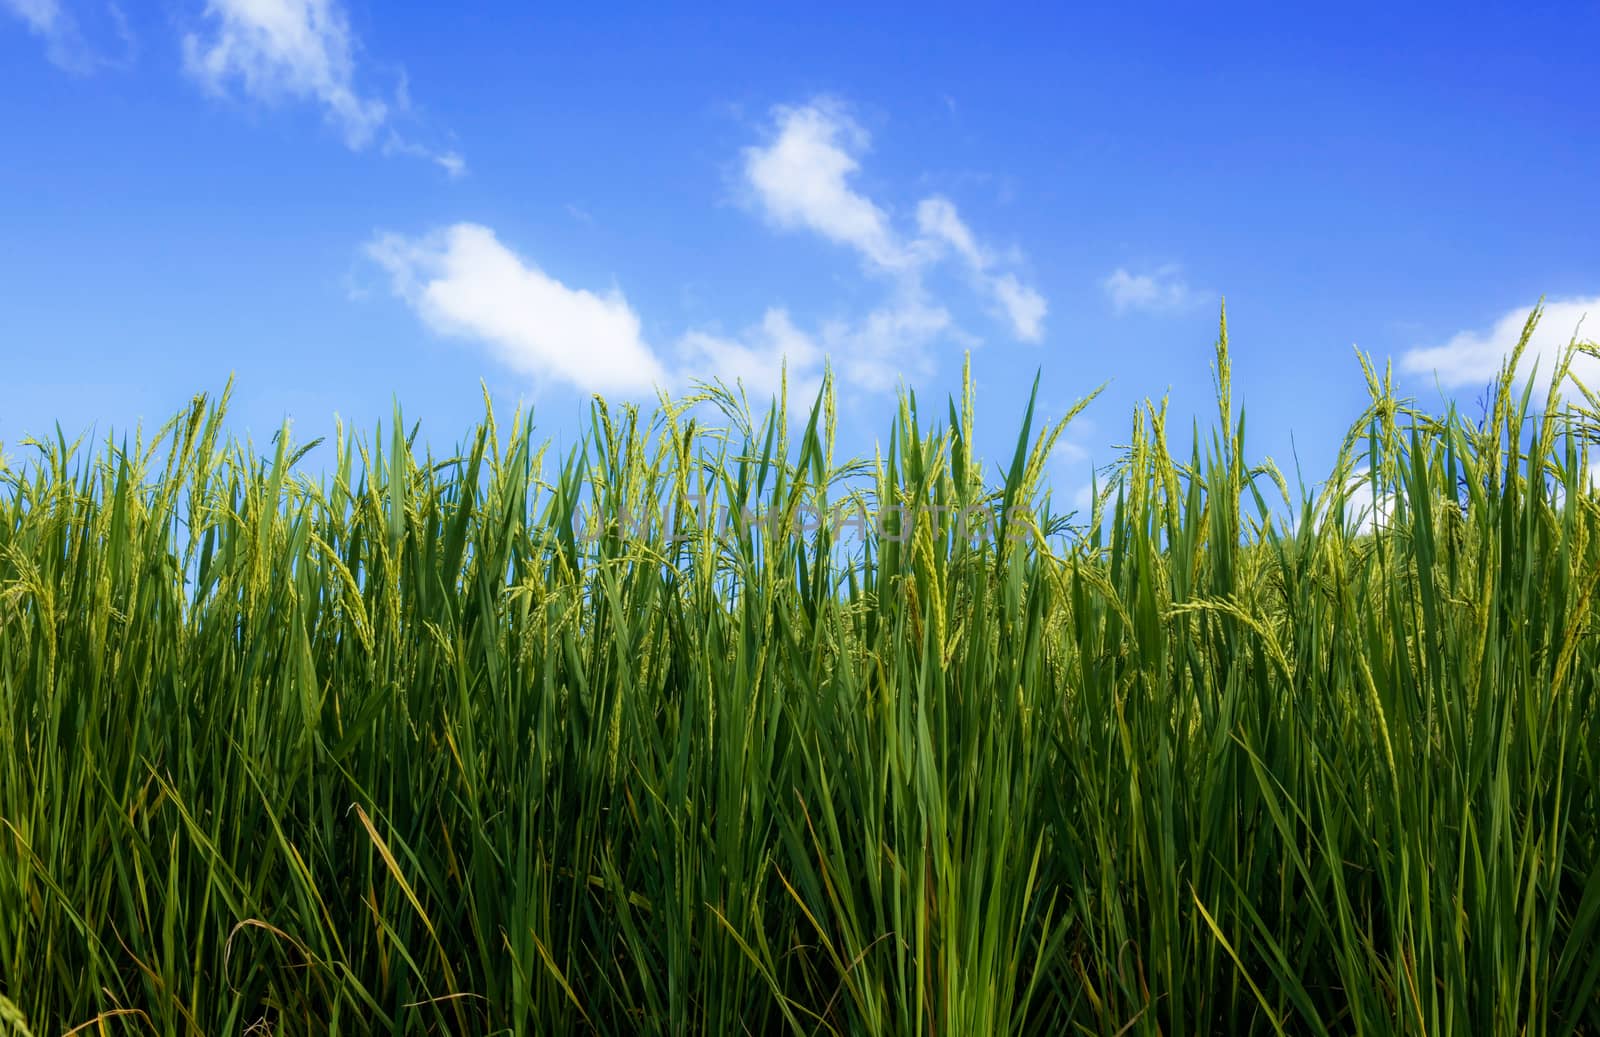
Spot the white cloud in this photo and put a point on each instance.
(41, 16)
(870, 354)
(1160, 289)
(1588, 483)
(803, 179)
(1363, 511)
(1474, 357)
(452, 163)
(301, 50)
(1071, 452)
(889, 342)
(464, 283)
(759, 361)
(63, 37)
(454, 166)
(938, 219)
(1023, 307)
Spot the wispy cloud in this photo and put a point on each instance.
(871, 353)
(803, 178)
(1022, 306)
(938, 220)
(66, 44)
(1073, 447)
(757, 359)
(452, 163)
(42, 16)
(299, 50)
(1475, 357)
(454, 166)
(890, 341)
(462, 282)
(1160, 289)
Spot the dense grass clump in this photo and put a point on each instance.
(499, 744)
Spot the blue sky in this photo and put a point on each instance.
(343, 203)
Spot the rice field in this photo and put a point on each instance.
(370, 740)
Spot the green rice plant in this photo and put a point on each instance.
(700, 728)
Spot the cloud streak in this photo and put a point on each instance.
(1021, 306)
(803, 178)
(1474, 357)
(298, 50)
(463, 283)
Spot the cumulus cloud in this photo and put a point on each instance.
(803, 178)
(1161, 289)
(1474, 357)
(301, 50)
(462, 282)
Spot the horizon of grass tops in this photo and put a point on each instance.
(447, 746)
